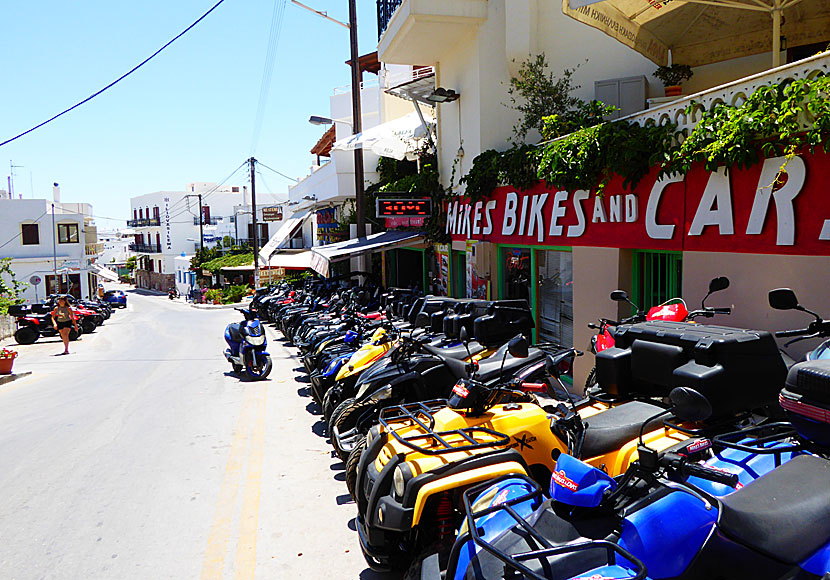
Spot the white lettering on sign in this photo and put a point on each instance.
(715, 208)
(523, 216)
(577, 230)
(654, 230)
(477, 218)
(558, 211)
(614, 204)
(537, 221)
(488, 215)
(796, 173)
(452, 208)
(508, 226)
(465, 224)
(631, 211)
(599, 211)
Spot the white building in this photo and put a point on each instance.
(115, 246)
(57, 242)
(166, 225)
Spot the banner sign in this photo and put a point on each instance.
(272, 214)
(752, 210)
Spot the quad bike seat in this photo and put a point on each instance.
(613, 428)
(784, 513)
(488, 369)
(233, 329)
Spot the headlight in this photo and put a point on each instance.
(383, 393)
(370, 436)
(403, 473)
(255, 340)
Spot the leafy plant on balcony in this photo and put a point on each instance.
(673, 74)
(777, 120)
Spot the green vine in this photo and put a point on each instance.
(9, 291)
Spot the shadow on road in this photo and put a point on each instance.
(369, 574)
(340, 476)
(344, 499)
(304, 391)
(302, 379)
(352, 524)
(339, 466)
(299, 370)
(319, 429)
(313, 408)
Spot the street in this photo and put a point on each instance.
(141, 456)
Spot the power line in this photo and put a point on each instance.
(119, 79)
(261, 164)
(268, 69)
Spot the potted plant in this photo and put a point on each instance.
(671, 76)
(7, 361)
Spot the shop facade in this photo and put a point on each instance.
(764, 227)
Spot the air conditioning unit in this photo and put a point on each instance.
(481, 254)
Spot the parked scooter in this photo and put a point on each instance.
(247, 342)
(673, 309)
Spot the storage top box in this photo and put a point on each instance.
(735, 369)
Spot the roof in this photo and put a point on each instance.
(368, 62)
(323, 146)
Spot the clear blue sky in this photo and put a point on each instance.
(187, 115)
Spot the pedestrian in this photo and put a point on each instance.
(63, 319)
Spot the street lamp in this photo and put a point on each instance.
(442, 95)
(315, 120)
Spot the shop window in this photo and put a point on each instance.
(658, 276)
(459, 263)
(67, 233)
(554, 297)
(516, 262)
(29, 234)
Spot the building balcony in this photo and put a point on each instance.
(144, 223)
(145, 248)
(734, 93)
(420, 32)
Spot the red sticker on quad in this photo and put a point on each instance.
(561, 479)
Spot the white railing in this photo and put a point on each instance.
(734, 93)
(386, 80)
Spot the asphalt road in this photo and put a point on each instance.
(140, 456)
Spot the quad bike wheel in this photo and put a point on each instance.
(74, 334)
(26, 335)
(89, 325)
(345, 417)
(351, 466)
(591, 380)
(330, 402)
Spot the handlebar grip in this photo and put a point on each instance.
(786, 333)
(534, 387)
(703, 472)
(593, 325)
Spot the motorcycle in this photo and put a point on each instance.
(246, 346)
(673, 309)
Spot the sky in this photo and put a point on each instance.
(187, 115)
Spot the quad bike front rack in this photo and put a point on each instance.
(427, 440)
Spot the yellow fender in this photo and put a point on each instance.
(377, 346)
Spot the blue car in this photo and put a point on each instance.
(116, 298)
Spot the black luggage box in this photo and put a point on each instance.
(806, 400)
(504, 320)
(20, 309)
(735, 369)
(429, 306)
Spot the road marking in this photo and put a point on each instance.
(214, 561)
(246, 548)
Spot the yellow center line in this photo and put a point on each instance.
(214, 561)
(246, 548)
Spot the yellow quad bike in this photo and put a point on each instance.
(421, 458)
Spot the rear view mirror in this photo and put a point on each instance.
(462, 334)
(518, 347)
(783, 299)
(718, 284)
(689, 405)
(619, 296)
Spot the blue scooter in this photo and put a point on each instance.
(246, 341)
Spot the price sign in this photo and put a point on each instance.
(406, 208)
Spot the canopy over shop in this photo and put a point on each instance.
(324, 256)
(282, 237)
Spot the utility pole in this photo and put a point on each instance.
(201, 220)
(357, 124)
(252, 161)
(54, 251)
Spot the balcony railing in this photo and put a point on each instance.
(143, 223)
(386, 8)
(145, 248)
(211, 222)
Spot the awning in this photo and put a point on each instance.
(323, 256)
(287, 230)
(243, 268)
(398, 138)
(105, 273)
(699, 32)
(291, 260)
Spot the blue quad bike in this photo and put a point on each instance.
(749, 504)
(246, 346)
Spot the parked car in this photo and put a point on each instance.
(116, 297)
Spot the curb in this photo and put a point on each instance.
(14, 376)
(220, 306)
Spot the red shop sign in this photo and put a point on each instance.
(742, 211)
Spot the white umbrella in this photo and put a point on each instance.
(398, 138)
